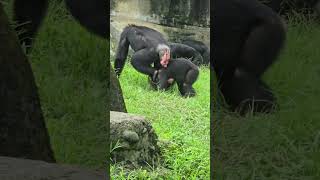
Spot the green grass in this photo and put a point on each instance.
(286, 144)
(183, 121)
(69, 66)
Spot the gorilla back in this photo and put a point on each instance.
(248, 37)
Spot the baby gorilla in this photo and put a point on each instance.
(181, 70)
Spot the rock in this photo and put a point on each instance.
(130, 136)
(116, 101)
(133, 141)
(17, 169)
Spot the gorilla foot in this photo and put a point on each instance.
(256, 106)
(244, 93)
(188, 91)
(261, 100)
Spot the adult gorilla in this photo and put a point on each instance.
(247, 38)
(150, 47)
(92, 14)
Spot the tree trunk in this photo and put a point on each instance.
(22, 128)
(116, 97)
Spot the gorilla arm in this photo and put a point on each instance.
(122, 52)
(92, 14)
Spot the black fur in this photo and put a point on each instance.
(144, 41)
(29, 14)
(182, 50)
(201, 48)
(247, 38)
(183, 71)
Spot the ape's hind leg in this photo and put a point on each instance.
(262, 47)
(28, 15)
(191, 76)
(244, 90)
(186, 88)
(244, 93)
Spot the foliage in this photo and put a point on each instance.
(284, 145)
(181, 122)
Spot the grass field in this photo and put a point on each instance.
(183, 121)
(284, 145)
(69, 66)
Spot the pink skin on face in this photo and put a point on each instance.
(165, 58)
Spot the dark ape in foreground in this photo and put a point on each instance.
(201, 48)
(28, 14)
(248, 37)
(150, 47)
(182, 71)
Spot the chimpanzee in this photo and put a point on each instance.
(182, 50)
(182, 71)
(247, 38)
(200, 47)
(92, 14)
(150, 47)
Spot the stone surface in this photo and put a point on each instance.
(115, 98)
(165, 12)
(23, 131)
(133, 140)
(24, 169)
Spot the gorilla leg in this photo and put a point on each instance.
(260, 50)
(28, 14)
(245, 92)
(142, 61)
(92, 14)
(247, 42)
(191, 76)
(186, 90)
(185, 87)
(262, 47)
